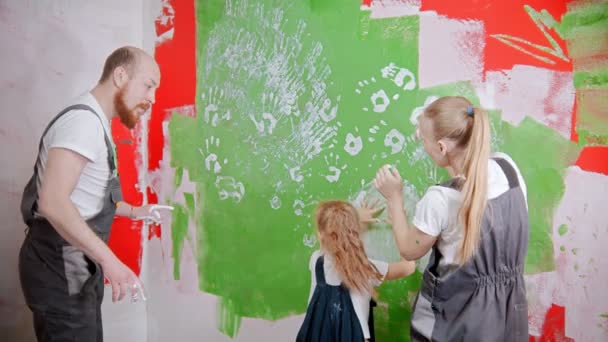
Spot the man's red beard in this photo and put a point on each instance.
(128, 116)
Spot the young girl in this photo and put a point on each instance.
(343, 278)
(477, 225)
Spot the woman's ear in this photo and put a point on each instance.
(443, 148)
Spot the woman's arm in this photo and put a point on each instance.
(411, 242)
(400, 269)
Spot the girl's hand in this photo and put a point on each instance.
(368, 213)
(389, 183)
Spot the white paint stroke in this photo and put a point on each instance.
(292, 72)
(393, 8)
(185, 110)
(449, 50)
(582, 267)
(545, 95)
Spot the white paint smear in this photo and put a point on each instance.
(393, 8)
(294, 77)
(449, 50)
(545, 95)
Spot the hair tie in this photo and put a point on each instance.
(470, 111)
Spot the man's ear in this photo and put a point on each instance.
(120, 77)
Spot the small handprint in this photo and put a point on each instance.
(212, 101)
(270, 110)
(334, 167)
(212, 162)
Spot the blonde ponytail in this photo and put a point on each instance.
(454, 118)
(475, 187)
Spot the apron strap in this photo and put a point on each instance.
(319, 271)
(370, 321)
(509, 172)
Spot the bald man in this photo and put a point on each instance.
(71, 200)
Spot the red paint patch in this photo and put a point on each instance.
(594, 159)
(554, 326)
(573, 132)
(125, 242)
(164, 21)
(176, 58)
(507, 18)
(125, 239)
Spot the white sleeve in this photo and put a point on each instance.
(311, 266)
(313, 260)
(382, 268)
(79, 131)
(431, 215)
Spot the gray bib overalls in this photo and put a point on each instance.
(485, 299)
(61, 285)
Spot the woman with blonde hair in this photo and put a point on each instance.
(476, 225)
(343, 278)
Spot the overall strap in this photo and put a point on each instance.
(79, 107)
(509, 172)
(319, 271)
(30, 192)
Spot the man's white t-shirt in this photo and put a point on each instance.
(81, 131)
(332, 277)
(437, 211)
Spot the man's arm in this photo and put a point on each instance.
(61, 174)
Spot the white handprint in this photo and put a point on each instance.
(212, 101)
(333, 163)
(212, 162)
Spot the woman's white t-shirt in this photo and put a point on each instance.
(360, 299)
(437, 211)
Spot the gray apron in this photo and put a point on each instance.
(62, 286)
(485, 299)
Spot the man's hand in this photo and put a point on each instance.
(150, 212)
(122, 279)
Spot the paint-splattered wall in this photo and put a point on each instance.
(267, 107)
